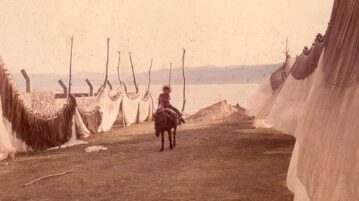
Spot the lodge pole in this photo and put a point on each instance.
(184, 81)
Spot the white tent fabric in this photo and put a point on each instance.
(259, 98)
(327, 156)
(288, 106)
(261, 102)
(293, 182)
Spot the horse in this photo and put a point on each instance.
(166, 120)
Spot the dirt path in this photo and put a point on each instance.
(217, 161)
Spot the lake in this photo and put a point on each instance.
(198, 96)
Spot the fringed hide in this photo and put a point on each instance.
(38, 131)
(100, 113)
(92, 119)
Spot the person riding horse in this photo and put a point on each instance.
(164, 101)
(167, 118)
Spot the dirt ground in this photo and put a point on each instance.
(212, 161)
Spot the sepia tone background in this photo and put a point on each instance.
(35, 34)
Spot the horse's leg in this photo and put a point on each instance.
(170, 138)
(174, 136)
(162, 140)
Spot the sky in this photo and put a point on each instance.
(35, 34)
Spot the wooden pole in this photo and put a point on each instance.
(69, 87)
(149, 76)
(184, 81)
(46, 177)
(107, 58)
(27, 79)
(118, 67)
(170, 76)
(109, 84)
(90, 86)
(64, 89)
(133, 73)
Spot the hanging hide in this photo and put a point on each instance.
(129, 105)
(145, 110)
(38, 131)
(109, 109)
(92, 119)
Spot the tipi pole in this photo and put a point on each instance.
(133, 72)
(184, 81)
(70, 70)
(170, 76)
(107, 58)
(118, 67)
(149, 76)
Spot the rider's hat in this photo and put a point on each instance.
(166, 87)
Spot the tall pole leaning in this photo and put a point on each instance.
(70, 70)
(118, 67)
(133, 73)
(107, 58)
(149, 76)
(184, 81)
(170, 76)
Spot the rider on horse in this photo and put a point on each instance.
(164, 101)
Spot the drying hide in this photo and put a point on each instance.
(46, 104)
(109, 108)
(99, 113)
(145, 108)
(89, 110)
(129, 108)
(30, 130)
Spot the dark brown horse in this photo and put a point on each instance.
(166, 120)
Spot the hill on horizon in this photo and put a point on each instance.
(194, 75)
